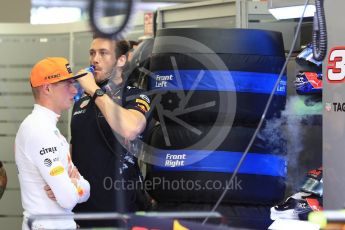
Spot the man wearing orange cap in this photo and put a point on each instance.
(49, 182)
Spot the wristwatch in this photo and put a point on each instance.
(98, 93)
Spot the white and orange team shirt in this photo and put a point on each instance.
(42, 158)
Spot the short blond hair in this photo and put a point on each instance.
(36, 92)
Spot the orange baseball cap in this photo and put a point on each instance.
(51, 70)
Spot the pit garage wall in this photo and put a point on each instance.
(333, 120)
(15, 11)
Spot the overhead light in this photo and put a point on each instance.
(283, 9)
(43, 40)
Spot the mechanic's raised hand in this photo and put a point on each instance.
(88, 81)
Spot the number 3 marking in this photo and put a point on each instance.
(336, 65)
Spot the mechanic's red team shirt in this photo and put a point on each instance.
(42, 157)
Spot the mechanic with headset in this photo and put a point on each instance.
(49, 182)
(107, 117)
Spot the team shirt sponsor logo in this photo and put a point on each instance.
(52, 76)
(79, 112)
(144, 103)
(80, 191)
(57, 171)
(47, 162)
(142, 108)
(144, 97)
(82, 106)
(84, 103)
(48, 150)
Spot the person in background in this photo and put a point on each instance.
(133, 45)
(49, 181)
(104, 120)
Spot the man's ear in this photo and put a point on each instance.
(46, 88)
(121, 61)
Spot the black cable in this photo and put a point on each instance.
(319, 32)
(96, 14)
(228, 185)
